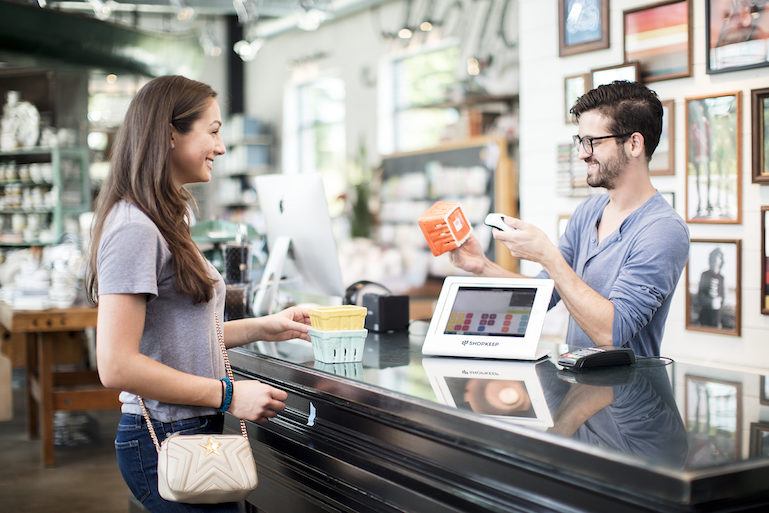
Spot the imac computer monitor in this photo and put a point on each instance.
(299, 232)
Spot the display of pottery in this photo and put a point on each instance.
(20, 124)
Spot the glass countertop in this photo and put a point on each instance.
(673, 416)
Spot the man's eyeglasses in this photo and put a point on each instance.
(587, 141)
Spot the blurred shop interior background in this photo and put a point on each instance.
(396, 104)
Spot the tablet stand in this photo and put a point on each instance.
(266, 296)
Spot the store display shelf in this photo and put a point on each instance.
(44, 210)
(21, 152)
(239, 204)
(262, 140)
(24, 244)
(473, 100)
(261, 170)
(25, 183)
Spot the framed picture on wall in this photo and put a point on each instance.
(713, 419)
(607, 75)
(759, 439)
(583, 26)
(713, 285)
(574, 86)
(759, 103)
(736, 35)
(764, 291)
(763, 393)
(663, 161)
(670, 197)
(571, 174)
(714, 159)
(659, 38)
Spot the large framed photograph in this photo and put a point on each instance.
(764, 292)
(713, 285)
(713, 420)
(759, 439)
(659, 37)
(737, 35)
(714, 159)
(607, 75)
(574, 86)
(763, 393)
(583, 26)
(759, 102)
(663, 161)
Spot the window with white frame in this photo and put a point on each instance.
(321, 133)
(422, 82)
(321, 125)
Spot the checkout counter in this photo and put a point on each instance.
(403, 432)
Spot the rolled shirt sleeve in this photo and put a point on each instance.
(648, 277)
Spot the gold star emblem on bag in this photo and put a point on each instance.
(212, 447)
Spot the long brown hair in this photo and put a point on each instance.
(140, 173)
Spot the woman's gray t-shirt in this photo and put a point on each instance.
(134, 258)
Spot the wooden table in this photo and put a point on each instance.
(47, 390)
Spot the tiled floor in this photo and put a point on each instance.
(85, 479)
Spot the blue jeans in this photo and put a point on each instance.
(137, 459)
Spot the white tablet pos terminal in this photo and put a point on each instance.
(489, 318)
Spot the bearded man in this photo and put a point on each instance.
(618, 263)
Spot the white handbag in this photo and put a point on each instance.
(205, 469)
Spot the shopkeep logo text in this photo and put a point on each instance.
(479, 343)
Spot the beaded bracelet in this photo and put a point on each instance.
(227, 394)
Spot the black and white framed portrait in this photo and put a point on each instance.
(713, 285)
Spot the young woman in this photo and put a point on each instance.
(158, 297)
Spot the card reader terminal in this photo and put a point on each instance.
(591, 357)
(496, 220)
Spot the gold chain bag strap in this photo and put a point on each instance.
(205, 469)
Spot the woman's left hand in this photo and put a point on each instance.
(293, 322)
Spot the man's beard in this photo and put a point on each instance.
(609, 172)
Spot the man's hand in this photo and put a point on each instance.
(527, 242)
(469, 256)
(290, 323)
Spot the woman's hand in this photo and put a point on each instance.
(290, 323)
(255, 401)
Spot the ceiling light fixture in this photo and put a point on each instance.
(247, 50)
(101, 9)
(311, 16)
(426, 26)
(311, 19)
(246, 10)
(473, 67)
(405, 33)
(183, 11)
(209, 42)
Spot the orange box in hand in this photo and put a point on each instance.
(444, 226)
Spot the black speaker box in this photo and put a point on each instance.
(386, 313)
